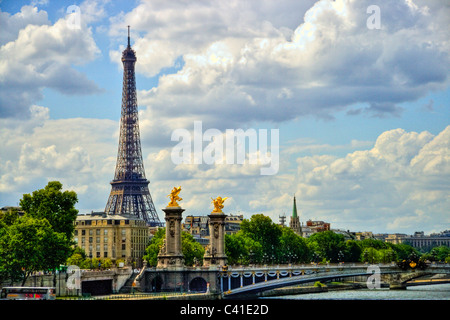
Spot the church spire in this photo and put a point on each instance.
(295, 220)
(294, 209)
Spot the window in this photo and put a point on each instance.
(97, 232)
(83, 232)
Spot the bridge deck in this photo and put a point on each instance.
(293, 275)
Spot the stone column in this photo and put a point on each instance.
(215, 253)
(170, 256)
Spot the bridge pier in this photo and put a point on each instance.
(215, 252)
(170, 255)
(184, 280)
(397, 286)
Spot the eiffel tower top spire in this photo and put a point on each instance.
(129, 193)
(129, 37)
(128, 55)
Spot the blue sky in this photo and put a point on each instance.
(363, 113)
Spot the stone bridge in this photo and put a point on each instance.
(234, 282)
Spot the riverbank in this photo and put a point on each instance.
(312, 289)
(436, 292)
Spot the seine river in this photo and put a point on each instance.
(430, 292)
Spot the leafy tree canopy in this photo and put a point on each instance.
(53, 204)
(41, 239)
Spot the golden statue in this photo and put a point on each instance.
(218, 204)
(174, 197)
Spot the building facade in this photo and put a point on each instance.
(198, 226)
(123, 237)
(420, 240)
(318, 226)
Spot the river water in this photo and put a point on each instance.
(429, 292)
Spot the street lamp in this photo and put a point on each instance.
(316, 257)
(265, 258)
(340, 256)
(251, 254)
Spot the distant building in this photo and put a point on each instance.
(198, 226)
(380, 236)
(233, 223)
(395, 238)
(364, 235)
(318, 226)
(420, 240)
(112, 236)
(307, 231)
(18, 209)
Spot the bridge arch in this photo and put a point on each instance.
(198, 284)
(156, 283)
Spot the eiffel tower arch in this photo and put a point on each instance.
(130, 194)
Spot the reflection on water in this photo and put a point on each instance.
(430, 292)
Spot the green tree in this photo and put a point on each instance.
(440, 253)
(192, 250)
(403, 251)
(327, 244)
(29, 245)
(370, 255)
(241, 249)
(53, 204)
(293, 248)
(261, 229)
(41, 239)
(352, 251)
(76, 259)
(262, 241)
(373, 243)
(155, 244)
(387, 255)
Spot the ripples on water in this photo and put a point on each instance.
(430, 292)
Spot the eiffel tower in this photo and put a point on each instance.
(129, 193)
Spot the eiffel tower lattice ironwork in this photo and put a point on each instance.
(130, 194)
